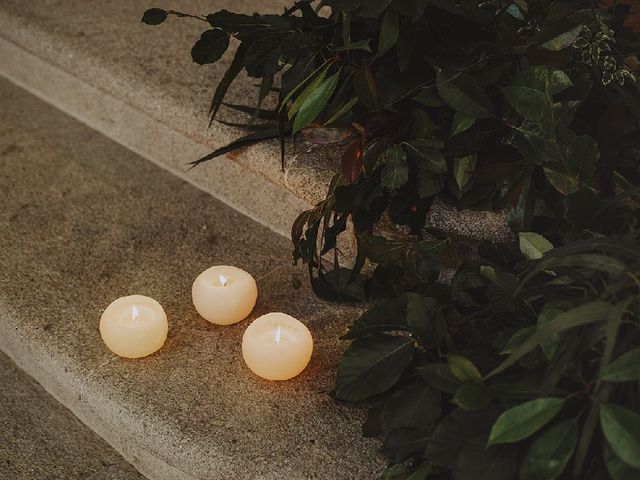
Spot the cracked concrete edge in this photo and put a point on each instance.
(42, 368)
(246, 191)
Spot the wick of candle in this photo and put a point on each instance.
(278, 334)
(223, 281)
(134, 313)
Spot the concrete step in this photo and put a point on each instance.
(39, 438)
(84, 221)
(137, 85)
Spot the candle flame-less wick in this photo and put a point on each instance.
(223, 281)
(134, 313)
(278, 333)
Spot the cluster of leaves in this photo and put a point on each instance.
(526, 364)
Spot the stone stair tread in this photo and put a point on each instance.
(104, 45)
(39, 438)
(85, 221)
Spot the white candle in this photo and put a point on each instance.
(134, 326)
(224, 295)
(276, 346)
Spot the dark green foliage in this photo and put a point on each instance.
(525, 362)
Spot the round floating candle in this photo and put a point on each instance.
(276, 346)
(134, 326)
(224, 295)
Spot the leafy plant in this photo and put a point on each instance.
(476, 360)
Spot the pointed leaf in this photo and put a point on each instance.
(463, 168)
(621, 427)
(315, 102)
(463, 369)
(585, 314)
(464, 95)
(461, 123)
(426, 156)
(371, 365)
(154, 16)
(533, 245)
(237, 64)
(523, 420)
(625, 368)
(389, 32)
(471, 397)
(550, 453)
(210, 47)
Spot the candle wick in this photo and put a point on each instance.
(134, 313)
(278, 333)
(223, 281)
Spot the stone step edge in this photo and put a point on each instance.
(248, 192)
(41, 367)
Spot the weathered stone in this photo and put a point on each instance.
(85, 221)
(39, 438)
(137, 85)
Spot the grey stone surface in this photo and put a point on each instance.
(39, 438)
(84, 221)
(138, 85)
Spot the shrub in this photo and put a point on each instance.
(526, 363)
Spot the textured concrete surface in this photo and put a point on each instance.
(85, 221)
(138, 85)
(39, 438)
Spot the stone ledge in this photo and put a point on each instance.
(86, 221)
(137, 85)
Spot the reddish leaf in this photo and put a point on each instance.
(352, 161)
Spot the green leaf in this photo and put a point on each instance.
(550, 343)
(563, 41)
(531, 104)
(477, 462)
(315, 102)
(426, 156)
(464, 95)
(617, 469)
(342, 111)
(415, 406)
(457, 431)
(463, 369)
(471, 397)
(154, 16)
(550, 453)
(625, 368)
(404, 442)
(621, 427)
(461, 123)
(229, 76)
(426, 319)
(371, 365)
(523, 420)
(585, 314)
(210, 47)
(439, 376)
(311, 87)
(389, 32)
(359, 45)
(518, 339)
(385, 317)
(463, 168)
(396, 169)
(533, 245)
